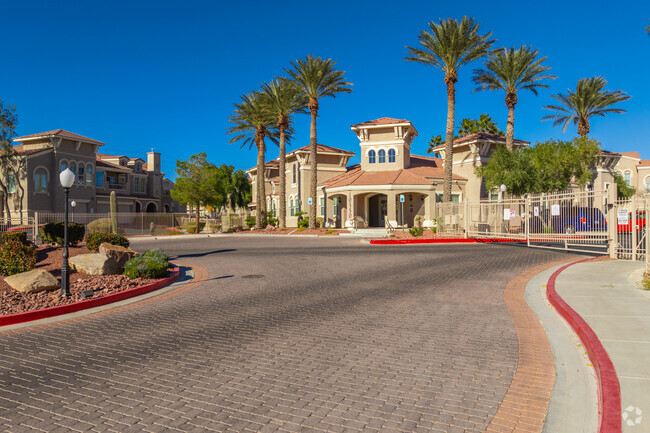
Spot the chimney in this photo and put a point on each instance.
(153, 162)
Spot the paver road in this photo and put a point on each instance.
(286, 335)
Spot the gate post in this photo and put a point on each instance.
(35, 227)
(633, 233)
(612, 222)
(527, 218)
(647, 238)
(466, 218)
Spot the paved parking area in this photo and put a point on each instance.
(286, 335)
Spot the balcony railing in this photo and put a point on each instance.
(116, 186)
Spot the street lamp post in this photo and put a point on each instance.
(67, 179)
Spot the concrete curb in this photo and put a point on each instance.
(216, 235)
(609, 398)
(437, 241)
(29, 316)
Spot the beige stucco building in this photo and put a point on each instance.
(369, 194)
(33, 184)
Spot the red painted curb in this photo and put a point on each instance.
(28, 316)
(440, 241)
(609, 390)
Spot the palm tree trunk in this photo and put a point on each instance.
(259, 179)
(283, 180)
(450, 79)
(583, 127)
(511, 101)
(313, 108)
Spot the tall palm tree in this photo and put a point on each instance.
(286, 99)
(449, 46)
(253, 122)
(512, 70)
(589, 100)
(316, 78)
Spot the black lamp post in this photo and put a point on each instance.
(67, 179)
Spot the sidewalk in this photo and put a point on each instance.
(608, 297)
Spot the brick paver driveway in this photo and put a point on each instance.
(287, 335)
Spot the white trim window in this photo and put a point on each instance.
(322, 206)
(139, 185)
(391, 155)
(40, 180)
(371, 157)
(81, 174)
(628, 178)
(647, 185)
(382, 156)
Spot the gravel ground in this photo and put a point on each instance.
(50, 259)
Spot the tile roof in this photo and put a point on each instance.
(381, 121)
(105, 164)
(632, 155)
(107, 156)
(423, 171)
(607, 152)
(322, 148)
(20, 150)
(644, 163)
(58, 133)
(480, 136)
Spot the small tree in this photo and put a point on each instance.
(623, 190)
(8, 121)
(197, 183)
(547, 167)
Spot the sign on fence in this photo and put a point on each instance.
(555, 210)
(536, 211)
(623, 217)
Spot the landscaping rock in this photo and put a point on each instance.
(95, 264)
(119, 253)
(33, 281)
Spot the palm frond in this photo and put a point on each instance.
(318, 78)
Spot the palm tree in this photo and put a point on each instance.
(589, 100)
(253, 122)
(512, 70)
(239, 193)
(449, 46)
(316, 78)
(286, 99)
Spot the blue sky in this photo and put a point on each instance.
(165, 75)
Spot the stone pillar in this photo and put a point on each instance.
(429, 210)
(349, 222)
(391, 213)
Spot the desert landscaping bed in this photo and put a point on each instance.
(50, 259)
(426, 234)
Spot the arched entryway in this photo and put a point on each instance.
(377, 210)
(138, 206)
(166, 207)
(151, 207)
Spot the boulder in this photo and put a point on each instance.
(33, 281)
(94, 264)
(120, 254)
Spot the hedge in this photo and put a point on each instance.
(146, 267)
(52, 233)
(94, 240)
(16, 257)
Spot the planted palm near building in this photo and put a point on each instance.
(588, 100)
(511, 70)
(448, 46)
(285, 99)
(316, 79)
(253, 123)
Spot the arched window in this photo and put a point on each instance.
(40, 180)
(63, 165)
(391, 155)
(371, 157)
(73, 167)
(294, 173)
(382, 156)
(628, 178)
(89, 174)
(81, 173)
(647, 185)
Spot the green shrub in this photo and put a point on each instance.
(319, 222)
(300, 229)
(190, 227)
(416, 231)
(434, 229)
(52, 233)
(146, 267)
(101, 225)
(233, 229)
(273, 221)
(305, 222)
(16, 257)
(250, 221)
(17, 235)
(157, 253)
(94, 240)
